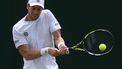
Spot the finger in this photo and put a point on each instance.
(67, 51)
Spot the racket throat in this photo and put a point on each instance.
(76, 49)
(79, 49)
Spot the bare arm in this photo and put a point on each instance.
(57, 37)
(60, 42)
(28, 53)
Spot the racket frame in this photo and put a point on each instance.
(81, 43)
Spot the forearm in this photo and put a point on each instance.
(58, 38)
(59, 41)
(30, 54)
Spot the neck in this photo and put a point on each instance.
(28, 18)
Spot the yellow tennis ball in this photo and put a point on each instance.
(102, 47)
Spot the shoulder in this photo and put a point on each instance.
(18, 24)
(47, 14)
(46, 11)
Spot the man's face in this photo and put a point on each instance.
(34, 11)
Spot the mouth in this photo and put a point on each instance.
(35, 16)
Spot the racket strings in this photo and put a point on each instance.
(93, 40)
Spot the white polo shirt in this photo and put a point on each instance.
(37, 34)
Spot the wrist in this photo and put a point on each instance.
(61, 44)
(44, 51)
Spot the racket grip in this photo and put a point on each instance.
(70, 49)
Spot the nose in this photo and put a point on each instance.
(36, 12)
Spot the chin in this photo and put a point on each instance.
(34, 18)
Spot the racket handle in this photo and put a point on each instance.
(71, 49)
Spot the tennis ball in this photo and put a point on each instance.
(102, 47)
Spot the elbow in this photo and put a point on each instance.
(28, 56)
(31, 56)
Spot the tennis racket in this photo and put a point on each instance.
(91, 42)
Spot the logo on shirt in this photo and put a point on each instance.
(56, 24)
(16, 41)
(26, 34)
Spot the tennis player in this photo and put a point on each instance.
(35, 36)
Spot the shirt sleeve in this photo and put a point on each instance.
(18, 38)
(53, 23)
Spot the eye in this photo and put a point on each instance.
(33, 8)
(38, 9)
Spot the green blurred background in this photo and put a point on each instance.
(77, 18)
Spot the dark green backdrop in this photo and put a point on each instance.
(76, 18)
